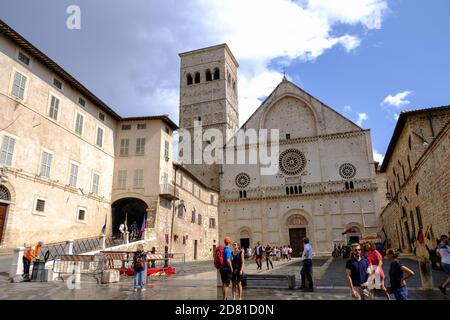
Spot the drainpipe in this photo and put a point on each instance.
(173, 212)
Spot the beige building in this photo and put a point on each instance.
(68, 162)
(324, 183)
(417, 178)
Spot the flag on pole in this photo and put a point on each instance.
(420, 236)
(428, 232)
(413, 237)
(126, 221)
(144, 222)
(104, 226)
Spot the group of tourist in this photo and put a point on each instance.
(135, 233)
(269, 253)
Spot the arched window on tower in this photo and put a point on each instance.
(189, 79)
(216, 74)
(240, 194)
(346, 185)
(296, 190)
(351, 185)
(291, 189)
(197, 77)
(234, 85)
(229, 79)
(245, 194)
(300, 189)
(208, 75)
(287, 190)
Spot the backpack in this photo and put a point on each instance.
(218, 257)
(139, 265)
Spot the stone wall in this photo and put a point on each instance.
(425, 195)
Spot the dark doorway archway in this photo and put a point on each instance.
(132, 209)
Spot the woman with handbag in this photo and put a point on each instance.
(238, 270)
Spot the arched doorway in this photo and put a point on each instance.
(5, 198)
(297, 226)
(131, 209)
(353, 233)
(244, 238)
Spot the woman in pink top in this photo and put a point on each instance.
(376, 262)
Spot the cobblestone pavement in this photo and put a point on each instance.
(198, 280)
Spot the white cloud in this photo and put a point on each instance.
(361, 118)
(347, 108)
(396, 115)
(397, 100)
(378, 157)
(258, 31)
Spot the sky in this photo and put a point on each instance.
(366, 59)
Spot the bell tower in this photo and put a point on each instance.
(208, 95)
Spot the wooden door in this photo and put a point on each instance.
(296, 236)
(195, 250)
(3, 208)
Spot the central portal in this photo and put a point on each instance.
(296, 236)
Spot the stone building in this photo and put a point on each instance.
(208, 96)
(417, 170)
(324, 183)
(68, 161)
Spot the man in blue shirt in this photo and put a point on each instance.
(306, 272)
(226, 271)
(356, 271)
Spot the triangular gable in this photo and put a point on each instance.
(330, 121)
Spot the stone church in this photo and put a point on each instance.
(326, 177)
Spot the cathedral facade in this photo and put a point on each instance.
(324, 180)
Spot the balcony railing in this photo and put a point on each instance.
(168, 191)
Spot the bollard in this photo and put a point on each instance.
(291, 281)
(68, 248)
(425, 274)
(16, 263)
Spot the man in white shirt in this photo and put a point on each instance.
(443, 250)
(306, 272)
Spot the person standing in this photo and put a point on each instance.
(238, 270)
(289, 252)
(134, 230)
(376, 267)
(443, 250)
(258, 256)
(306, 272)
(30, 253)
(356, 272)
(139, 263)
(249, 252)
(397, 276)
(122, 231)
(268, 252)
(226, 269)
(339, 250)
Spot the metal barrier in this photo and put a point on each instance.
(54, 250)
(92, 265)
(87, 244)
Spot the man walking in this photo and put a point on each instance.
(226, 270)
(258, 256)
(356, 271)
(306, 272)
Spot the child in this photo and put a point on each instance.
(397, 276)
